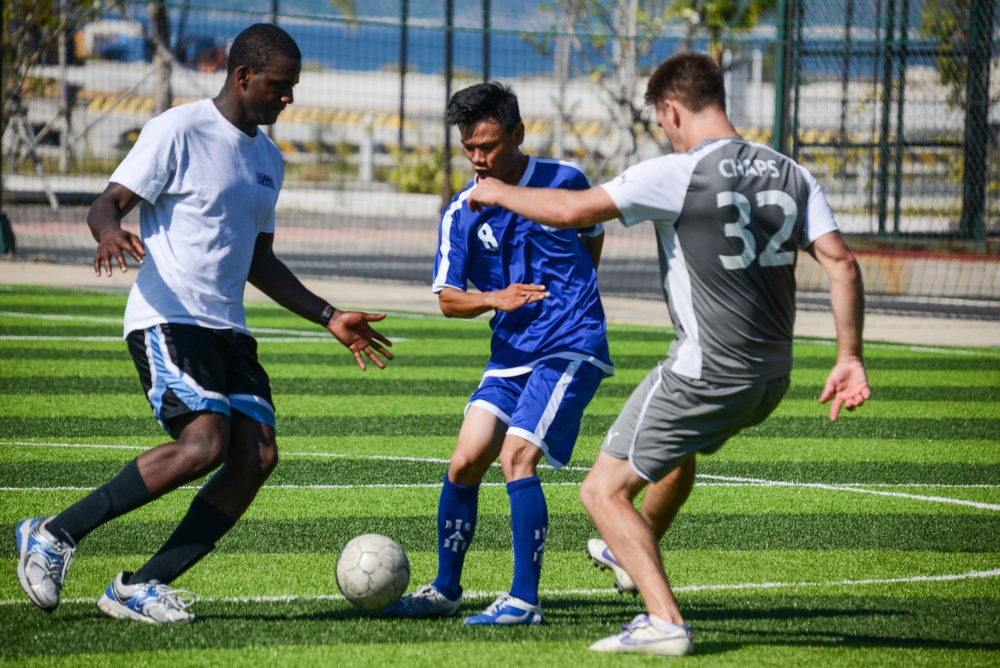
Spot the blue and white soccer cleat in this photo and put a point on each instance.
(151, 602)
(42, 563)
(507, 611)
(599, 553)
(424, 603)
(642, 637)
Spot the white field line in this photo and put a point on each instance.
(409, 485)
(548, 483)
(62, 318)
(906, 347)
(299, 338)
(290, 335)
(731, 482)
(716, 481)
(60, 338)
(420, 316)
(971, 575)
(856, 489)
(289, 598)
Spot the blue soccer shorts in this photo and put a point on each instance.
(188, 369)
(543, 406)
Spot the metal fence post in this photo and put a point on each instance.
(449, 51)
(897, 192)
(977, 110)
(884, 149)
(779, 133)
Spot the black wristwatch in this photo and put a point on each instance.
(327, 315)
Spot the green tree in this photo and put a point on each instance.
(948, 22)
(611, 36)
(31, 32)
(346, 7)
(719, 19)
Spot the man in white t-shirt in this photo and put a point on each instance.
(729, 217)
(207, 181)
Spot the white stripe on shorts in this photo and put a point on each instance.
(638, 425)
(552, 407)
(187, 379)
(548, 415)
(489, 408)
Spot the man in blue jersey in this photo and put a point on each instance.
(549, 352)
(729, 216)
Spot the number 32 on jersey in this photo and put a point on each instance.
(772, 256)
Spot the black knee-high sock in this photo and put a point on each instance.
(193, 538)
(123, 493)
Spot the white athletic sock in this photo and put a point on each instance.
(662, 625)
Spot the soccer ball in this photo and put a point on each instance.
(372, 571)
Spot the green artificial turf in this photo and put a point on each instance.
(872, 541)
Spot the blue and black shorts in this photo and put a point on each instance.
(189, 369)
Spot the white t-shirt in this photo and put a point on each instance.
(208, 190)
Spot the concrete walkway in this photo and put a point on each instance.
(395, 297)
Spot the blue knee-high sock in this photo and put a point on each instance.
(457, 509)
(529, 517)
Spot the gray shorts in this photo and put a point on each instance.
(670, 417)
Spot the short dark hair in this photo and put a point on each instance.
(492, 101)
(693, 79)
(257, 46)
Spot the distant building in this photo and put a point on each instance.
(111, 40)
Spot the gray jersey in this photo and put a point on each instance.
(729, 216)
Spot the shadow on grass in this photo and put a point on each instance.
(720, 627)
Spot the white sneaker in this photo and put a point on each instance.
(641, 637)
(151, 602)
(599, 553)
(42, 562)
(507, 611)
(425, 602)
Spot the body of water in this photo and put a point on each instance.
(373, 44)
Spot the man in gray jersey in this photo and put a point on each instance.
(729, 216)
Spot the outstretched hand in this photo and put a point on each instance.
(114, 243)
(847, 385)
(352, 329)
(516, 295)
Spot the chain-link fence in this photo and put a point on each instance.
(891, 104)
(903, 130)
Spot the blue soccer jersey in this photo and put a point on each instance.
(496, 248)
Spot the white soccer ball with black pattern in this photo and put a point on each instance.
(372, 571)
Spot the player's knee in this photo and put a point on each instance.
(596, 494)
(519, 462)
(588, 494)
(256, 467)
(204, 450)
(467, 470)
(268, 461)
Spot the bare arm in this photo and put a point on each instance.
(594, 246)
(557, 207)
(455, 303)
(847, 383)
(105, 222)
(273, 277)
